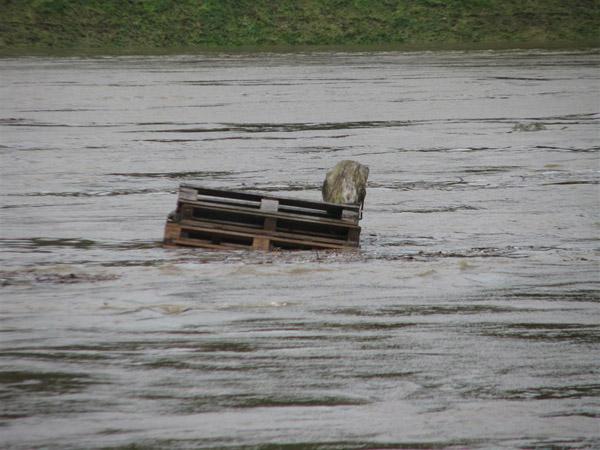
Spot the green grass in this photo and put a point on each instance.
(154, 24)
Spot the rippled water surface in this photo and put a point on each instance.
(469, 319)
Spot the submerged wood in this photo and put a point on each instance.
(346, 183)
(227, 219)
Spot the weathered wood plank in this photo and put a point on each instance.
(262, 242)
(282, 215)
(271, 224)
(200, 225)
(257, 197)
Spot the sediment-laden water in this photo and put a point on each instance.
(469, 319)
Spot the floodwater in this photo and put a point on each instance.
(469, 318)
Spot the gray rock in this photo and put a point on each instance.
(346, 183)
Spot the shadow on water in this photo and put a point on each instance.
(38, 275)
(544, 332)
(50, 382)
(423, 310)
(554, 392)
(82, 244)
(58, 354)
(574, 295)
(103, 193)
(362, 444)
(571, 119)
(579, 391)
(193, 405)
(175, 175)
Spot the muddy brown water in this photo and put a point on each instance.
(469, 318)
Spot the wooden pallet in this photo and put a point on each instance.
(222, 219)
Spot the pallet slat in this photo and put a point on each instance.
(258, 212)
(334, 210)
(270, 234)
(220, 240)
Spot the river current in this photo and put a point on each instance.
(470, 317)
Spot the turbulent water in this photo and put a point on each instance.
(469, 318)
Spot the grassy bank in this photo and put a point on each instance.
(154, 24)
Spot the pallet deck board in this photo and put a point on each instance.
(283, 215)
(211, 226)
(266, 242)
(255, 196)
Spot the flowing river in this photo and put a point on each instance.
(470, 317)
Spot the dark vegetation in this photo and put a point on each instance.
(153, 24)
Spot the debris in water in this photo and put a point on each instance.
(533, 126)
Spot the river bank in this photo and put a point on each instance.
(31, 26)
(92, 52)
